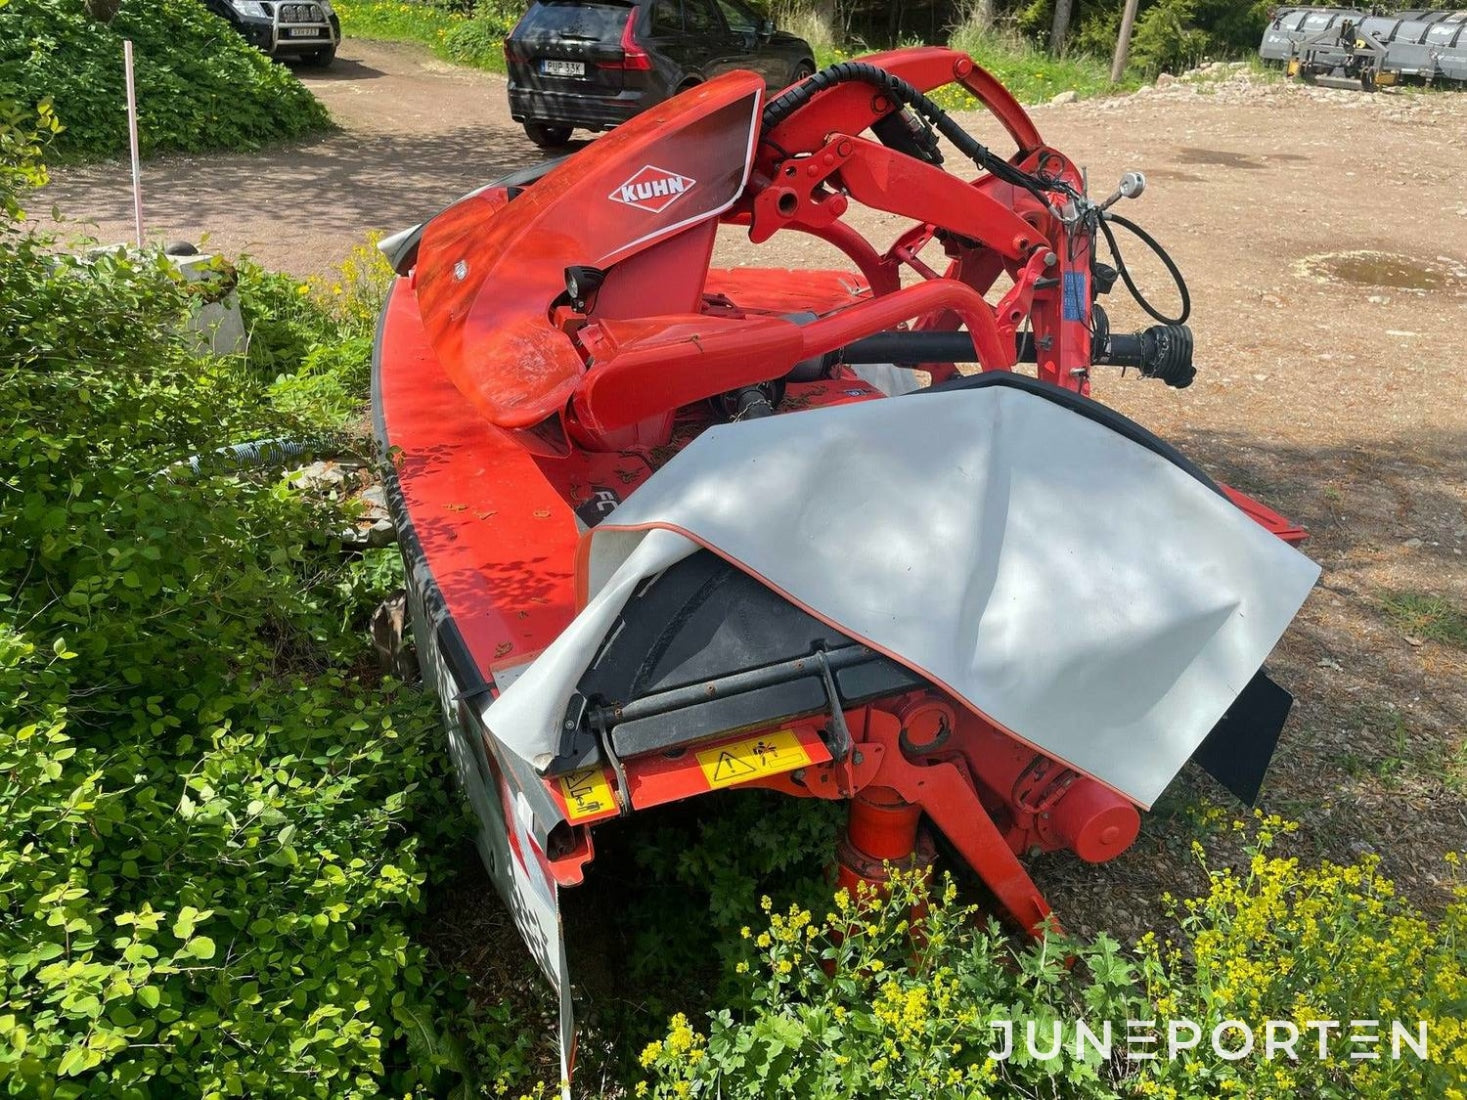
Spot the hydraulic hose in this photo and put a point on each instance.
(845, 72)
(1172, 269)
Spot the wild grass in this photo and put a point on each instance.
(810, 22)
(1032, 75)
(1425, 617)
(472, 40)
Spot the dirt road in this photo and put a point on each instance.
(1324, 235)
(415, 134)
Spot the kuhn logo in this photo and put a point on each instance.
(653, 189)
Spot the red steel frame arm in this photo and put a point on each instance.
(664, 363)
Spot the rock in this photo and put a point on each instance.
(1166, 79)
(374, 501)
(381, 533)
(1066, 97)
(1412, 544)
(318, 476)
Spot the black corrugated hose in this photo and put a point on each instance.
(845, 72)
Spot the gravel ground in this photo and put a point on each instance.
(1324, 235)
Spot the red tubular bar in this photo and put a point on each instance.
(878, 314)
(882, 279)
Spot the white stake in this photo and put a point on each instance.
(132, 134)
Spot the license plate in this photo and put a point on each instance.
(302, 32)
(563, 68)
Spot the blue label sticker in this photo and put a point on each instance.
(1074, 296)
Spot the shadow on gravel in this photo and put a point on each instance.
(343, 68)
(1357, 497)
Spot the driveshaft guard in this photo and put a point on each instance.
(1080, 591)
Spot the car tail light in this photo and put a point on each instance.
(633, 57)
(512, 53)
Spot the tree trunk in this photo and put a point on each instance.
(1062, 11)
(1123, 41)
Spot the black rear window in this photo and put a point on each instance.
(575, 19)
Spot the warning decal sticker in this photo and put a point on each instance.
(752, 758)
(587, 794)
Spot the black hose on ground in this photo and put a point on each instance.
(242, 456)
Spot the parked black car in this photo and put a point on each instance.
(307, 29)
(591, 64)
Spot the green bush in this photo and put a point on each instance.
(21, 136)
(1170, 35)
(479, 41)
(873, 1000)
(200, 86)
(1167, 38)
(467, 32)
(859, 1004)
(213, 813)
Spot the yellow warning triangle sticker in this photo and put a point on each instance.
(752, 758)
(730, 769)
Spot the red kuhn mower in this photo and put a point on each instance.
(672, 528)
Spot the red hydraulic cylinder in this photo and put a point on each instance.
(882, 829)
(1048, 805)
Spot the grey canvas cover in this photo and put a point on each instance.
(1077, 589)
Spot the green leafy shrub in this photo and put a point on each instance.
(479, 41)
(1276, 940)
(200, 86)
(1167, 38)
(21, 136)
(857, 1004)
(870, 1002)
(467, 32)
(212, 810)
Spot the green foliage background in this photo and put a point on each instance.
(200, 86)
(869, 1001)
(216, 820)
